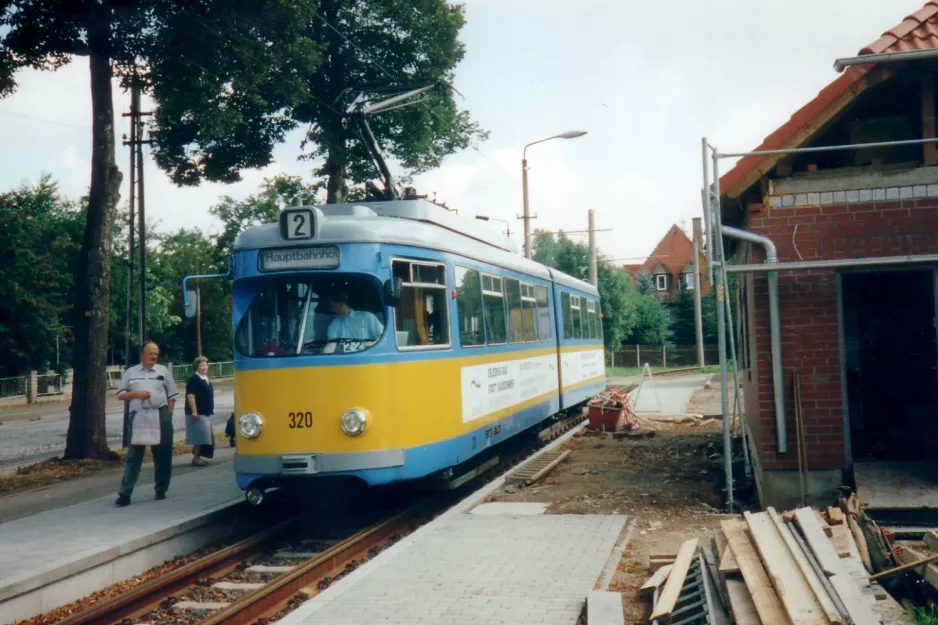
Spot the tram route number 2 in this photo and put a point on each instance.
(300, 420)
(297, 223)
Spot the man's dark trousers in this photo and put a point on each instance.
(162, 457)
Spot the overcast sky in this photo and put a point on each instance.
(646, 79)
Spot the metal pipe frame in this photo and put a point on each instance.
(824, 148)
(839, 263)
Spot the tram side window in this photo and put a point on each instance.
(591, 316)
(577, 321)
(513, 291)
(528, 312)
(493, 300)
(421, 318)
(543, 313)
(567, 315)
(587, 313)
(469, 307)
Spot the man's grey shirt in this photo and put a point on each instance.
(157, 380)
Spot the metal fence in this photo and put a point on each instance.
(660, 356)
(12, 387)
(50, 384)
(216, 370)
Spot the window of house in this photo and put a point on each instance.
(661, 282)
(543, 313)
(513, 291)
(493, 303)
(577, 321)
(421, 318)
(689, 281)
(469, 307)
(528, 312)
(567, 315)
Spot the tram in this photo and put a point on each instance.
(390, 341)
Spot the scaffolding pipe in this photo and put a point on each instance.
(775, 328)
(828, 148)
(715, 228)
(838, 263)
(705, 198)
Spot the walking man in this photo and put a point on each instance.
(151, 385)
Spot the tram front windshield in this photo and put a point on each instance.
(294, 316)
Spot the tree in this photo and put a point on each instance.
(263, 208)
(391, 44)
(615, 287)
(651, 322)
(220, 109)
(645, 284)
(39, 231)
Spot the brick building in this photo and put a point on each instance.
(671, 266)
(861, 339)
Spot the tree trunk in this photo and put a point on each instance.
(87, 437)
(336, 186)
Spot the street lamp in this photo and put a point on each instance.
(570, 134)
(507, 225)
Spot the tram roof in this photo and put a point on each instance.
(417, 223)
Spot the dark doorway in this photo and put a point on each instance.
(891, 357)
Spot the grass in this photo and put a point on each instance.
(922, 616)
(56, 470)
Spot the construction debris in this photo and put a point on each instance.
(790, 569)
(610, 411)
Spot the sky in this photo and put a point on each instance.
(646, 80)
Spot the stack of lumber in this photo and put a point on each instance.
(778, 570)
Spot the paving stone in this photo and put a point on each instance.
(484, 568)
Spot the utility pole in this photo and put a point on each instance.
(594, 277)
(131, 214)
(198, 311)
(138, 145)
(698, 320)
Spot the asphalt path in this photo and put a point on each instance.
(33, 433)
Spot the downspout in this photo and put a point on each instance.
(775, 330)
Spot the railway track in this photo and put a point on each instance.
(234, 586)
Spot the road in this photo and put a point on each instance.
(44, 436)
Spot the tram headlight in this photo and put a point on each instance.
(353, 422)
(250, 425)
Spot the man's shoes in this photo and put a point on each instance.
(122, 500)
(160, 496)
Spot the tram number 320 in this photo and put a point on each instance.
(299, 420)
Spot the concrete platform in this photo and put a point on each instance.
(54, 557)
(667, 396)
(503, 566)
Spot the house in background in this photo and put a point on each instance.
(671, 266)
(861, 339)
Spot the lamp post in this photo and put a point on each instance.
(507, 225)
(571, 134)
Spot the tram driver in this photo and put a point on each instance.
(350, 330)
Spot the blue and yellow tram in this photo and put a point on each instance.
(391, 341)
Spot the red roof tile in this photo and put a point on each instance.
(918, 31)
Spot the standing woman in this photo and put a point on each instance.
(200, 405)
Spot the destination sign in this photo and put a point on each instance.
(285, 259)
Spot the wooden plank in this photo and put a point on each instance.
(911, 564)
(859, 609)
(820, 545)
(728, 563)
(672, 588)
(929, 573)
(931, 539)
(793, 589)
(841, 540)
(660, 576)
(741, 604)
(835, 515)
(807, 572)
(766, 601)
